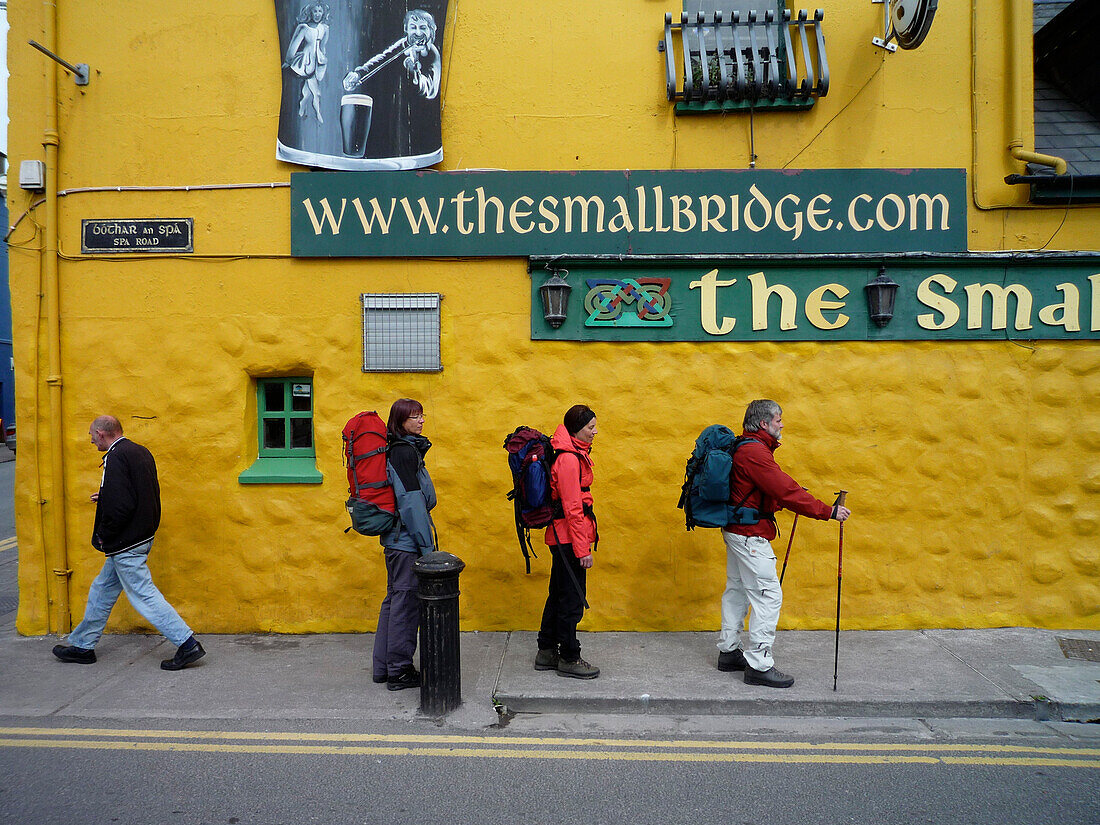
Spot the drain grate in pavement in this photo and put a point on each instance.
(1087, 649)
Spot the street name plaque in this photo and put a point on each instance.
(109, 236)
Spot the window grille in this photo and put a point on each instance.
(401, 332)
(745, 59)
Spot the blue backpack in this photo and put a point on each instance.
(705, 495)
(530, 458)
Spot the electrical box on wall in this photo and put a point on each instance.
(32, 175)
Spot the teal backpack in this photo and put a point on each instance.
(705, 495)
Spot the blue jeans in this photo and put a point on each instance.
(128, 571)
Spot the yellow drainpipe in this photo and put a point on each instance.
(1016, 148)
(56, 550)
(1016, 87)
(1017, 42)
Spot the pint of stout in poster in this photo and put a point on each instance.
(360, 83)
(355, 113)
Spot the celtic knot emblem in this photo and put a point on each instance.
(608, 300)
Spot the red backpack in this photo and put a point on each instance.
(371, 503)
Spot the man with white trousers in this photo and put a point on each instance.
(758, 483)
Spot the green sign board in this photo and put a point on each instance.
(944, 298)
(669, 212)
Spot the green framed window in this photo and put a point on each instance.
(285, 451)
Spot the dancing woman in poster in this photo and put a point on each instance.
(305, 56)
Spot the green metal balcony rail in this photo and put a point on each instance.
(746, 62)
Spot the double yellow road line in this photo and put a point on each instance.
(7, 544)
(508, 747)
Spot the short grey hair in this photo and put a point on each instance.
(107, 424)
(759, 413)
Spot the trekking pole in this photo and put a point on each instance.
(839, 568)
(568, 567)
(790, 541)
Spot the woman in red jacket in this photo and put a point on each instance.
(571, 538)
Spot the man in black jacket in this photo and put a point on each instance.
(127, 515)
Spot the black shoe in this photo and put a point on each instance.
(189, 652)
(547, 659)
(407, 678)
(768, 678)
(577, 669)
(77, 655)
(732, 660)
(378, 680)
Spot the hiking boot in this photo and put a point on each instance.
(407, 678)
(547, 660)
(577, 669)
(187, 653)
(731, 660)
(768, 678)
(77, 655)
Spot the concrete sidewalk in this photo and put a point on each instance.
(1007, 673)
(1011, 673)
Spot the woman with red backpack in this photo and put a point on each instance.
(411, 537)
(571, 537)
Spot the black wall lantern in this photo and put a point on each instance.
(555, 298)
(880, 297)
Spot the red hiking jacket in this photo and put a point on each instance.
(758, 482)
(572, 470)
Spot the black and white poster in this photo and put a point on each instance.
(360, 83)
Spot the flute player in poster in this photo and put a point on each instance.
(422, 62)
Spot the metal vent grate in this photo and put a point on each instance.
(401, 332)
(1086, 649)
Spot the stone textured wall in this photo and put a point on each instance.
(972, 468)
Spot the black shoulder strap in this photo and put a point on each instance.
(580, 469)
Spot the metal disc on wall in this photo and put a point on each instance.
(911, 20)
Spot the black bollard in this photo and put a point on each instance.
(440, 659)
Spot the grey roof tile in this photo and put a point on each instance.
(1062, 128)
(1045, 11)
(1071, 154)
(1079, 128)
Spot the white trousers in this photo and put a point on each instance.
(751, 581)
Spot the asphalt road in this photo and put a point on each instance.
(90, 773)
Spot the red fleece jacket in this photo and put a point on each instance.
(758, 482)
(572, 470)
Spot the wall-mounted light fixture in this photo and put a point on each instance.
(555, 297)
(880, 297)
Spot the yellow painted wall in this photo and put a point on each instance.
(973, 468)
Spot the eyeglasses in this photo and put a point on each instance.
(418, 416)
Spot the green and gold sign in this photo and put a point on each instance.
(963, 297)
(669, 212)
